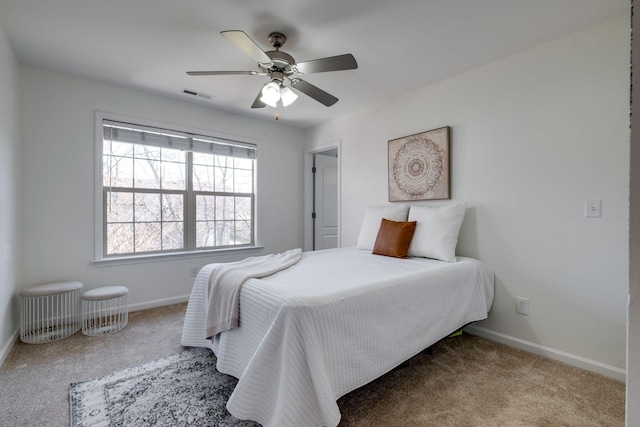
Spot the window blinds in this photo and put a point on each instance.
(125, 132)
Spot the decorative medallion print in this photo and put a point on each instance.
(419, 166)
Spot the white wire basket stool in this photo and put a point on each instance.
(50, 312)
(105, 310)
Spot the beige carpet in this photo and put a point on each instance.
(467, 381)
(470, 381)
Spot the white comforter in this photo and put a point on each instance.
(331, 323)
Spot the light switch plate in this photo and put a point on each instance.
(592, 208)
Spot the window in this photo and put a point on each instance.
(169, 191)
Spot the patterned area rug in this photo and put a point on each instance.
(183, 389)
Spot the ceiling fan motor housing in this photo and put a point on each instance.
(281, 60)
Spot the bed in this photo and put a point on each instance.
(332, 322)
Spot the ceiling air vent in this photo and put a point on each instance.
(195, 93)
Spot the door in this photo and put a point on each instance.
(326, 200)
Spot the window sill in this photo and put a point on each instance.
(138, 259)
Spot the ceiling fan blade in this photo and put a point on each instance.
(221, 73)
(314, 92)
(248, 46)
(333, 63)
(257, 103)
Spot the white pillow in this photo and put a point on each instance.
(436, 234)
(372, 219)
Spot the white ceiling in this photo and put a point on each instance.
(400, 46)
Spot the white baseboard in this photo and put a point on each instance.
(8, 345)
(158, 303)
(551, 353)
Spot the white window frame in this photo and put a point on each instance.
(100, 259)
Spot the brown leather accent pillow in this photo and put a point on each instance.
(394, 238)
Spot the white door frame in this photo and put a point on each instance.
(308, 191)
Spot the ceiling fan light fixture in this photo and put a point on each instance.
(288, 96)
(269, 101)
(270, 93)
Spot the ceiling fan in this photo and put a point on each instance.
(281, 67)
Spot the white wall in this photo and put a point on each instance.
(9, 195)
(58, 183)
(533, 136)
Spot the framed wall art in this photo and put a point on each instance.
(419, 166)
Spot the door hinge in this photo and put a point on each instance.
(313, 169)
(313, 215)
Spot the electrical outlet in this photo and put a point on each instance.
(194, 271)
(522, 305)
